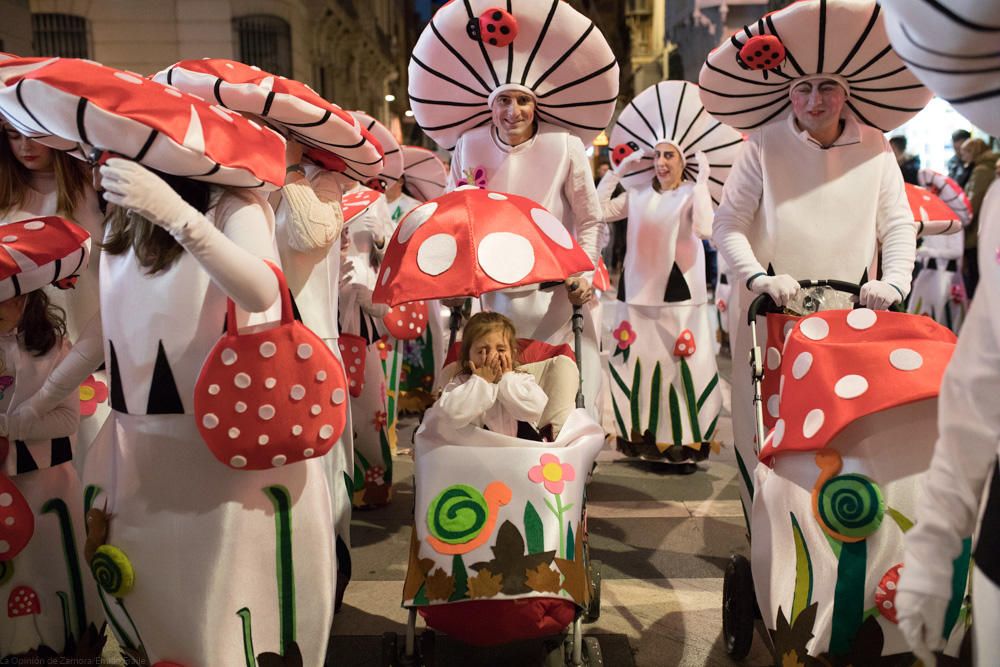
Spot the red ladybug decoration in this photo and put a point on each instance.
(495, 26)
(762, 52)
(622, 151)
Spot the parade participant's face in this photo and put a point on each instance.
(31, 154)
(11, 311)
(514, 116)
(817, 105)
(491, 345)
(668, 165)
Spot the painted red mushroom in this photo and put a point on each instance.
(354, 350)
(392, 153)
(472, 241)
(684, 345)
(602, 280)
(885, 594)
(70, 103)
(39, 252)
(426, 175)
(931, 214)
(407, 321)
(293, 106)
(22, 604)
(17, 521)
(842, 365)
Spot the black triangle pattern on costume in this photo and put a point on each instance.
(25, 461)
(677, 287)
(62, 451)
(164, 399)
(621, 287)
(117, 395)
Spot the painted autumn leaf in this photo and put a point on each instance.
(791, 659)
(543, 579)
(416, 570)
(440, 585)
(793, 638)
(485, 584)
(575, 579)
(510, 561)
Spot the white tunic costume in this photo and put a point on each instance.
(662, 306)
(551, 168)
(210, 545)
(497, 406)
(793, 207)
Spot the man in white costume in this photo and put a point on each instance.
(966, 452)
(815, 194)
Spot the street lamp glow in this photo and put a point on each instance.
(390, 98)
(408, 113)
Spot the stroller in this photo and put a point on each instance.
(850, 398)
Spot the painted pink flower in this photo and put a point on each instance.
(92, 393)
(625, 335)
(476, 176)
(552, 473)
(380, 420)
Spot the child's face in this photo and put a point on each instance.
(10, 313)
(486, 348)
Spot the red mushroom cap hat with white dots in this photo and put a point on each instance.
(952, 47)
(472, 241)
(930, 213)
(426, 175)
(287, 103)
(671, 112)
(471, 50)
(745, 81)
(353, 204)
(79, 105)
(36, 252)
(839, 366)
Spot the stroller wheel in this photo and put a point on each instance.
(427, 648)
(594, 608)
(390, 655)
(738, 602)
(592, 652)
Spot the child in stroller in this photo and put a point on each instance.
(499, 549)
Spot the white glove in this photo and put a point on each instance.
(630, 160)
(879, 295)
(921, 620)
(704, 170)
(377, 310)
(780, 288)
(130, 185)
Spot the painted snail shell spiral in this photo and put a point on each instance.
(457, 514)
(113, 571)
(851, 507)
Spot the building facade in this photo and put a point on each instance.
(695, 27)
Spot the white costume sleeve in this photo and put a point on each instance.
(613, 209)
(521, 396)
(581, 195)
(943, 246)
(61, 420)
(701, 211)
(896, 231)
(740, 200)
(464, 402)
(316, 219)
(964, 457)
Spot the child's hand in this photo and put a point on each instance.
(505, 364)
(489, 371)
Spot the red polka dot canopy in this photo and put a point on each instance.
(426, 176)
(839, 366)
(472, 49)
(36, 252)
(287, 103)
(954, 48)
(671, 111)
(80, 105)
(950, 192)
(472, 241)
(930, 213)
(392, 164)
(745, 82)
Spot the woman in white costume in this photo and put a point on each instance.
(517, 92)
(966, 452)
(816, 192)
(176, 584)
(665, 390)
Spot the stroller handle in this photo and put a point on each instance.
(765, 304)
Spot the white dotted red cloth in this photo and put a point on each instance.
(407, 321)
(471, 241)
(353, 350)
(930, 213)
(17, 522)
(839, 366)
(353, 204)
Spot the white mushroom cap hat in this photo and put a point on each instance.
(475, 49)
(392, 153)
(671, 112)
(954, 48)
(746, 81)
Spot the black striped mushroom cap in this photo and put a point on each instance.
(671, 111)
(744, 85)
(80, 105)
(287, 103)
(392, 160)
(426, 176)
(36, 252)
(548, 48)
(954, 48)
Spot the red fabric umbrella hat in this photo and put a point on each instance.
(80, 105)
(292, 105)
(472, 241)
(353, 204)
(36, 252)
(930, 213)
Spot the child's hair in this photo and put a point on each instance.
(42, 323)
(481, 324)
